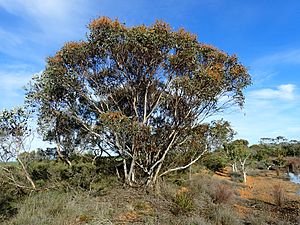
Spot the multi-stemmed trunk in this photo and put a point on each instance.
(234, 167)
(243, 168)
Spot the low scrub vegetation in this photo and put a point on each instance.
(64, 195)
(279, 195)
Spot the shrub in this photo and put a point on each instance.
(200, 183)
(55, 207)
(214, 161)
(83, 175)
(222, 194)
(9, 192)
(166, 189)
(7, 208)
(236, 177)
(197, 220)
(223, 215)
(280, 161)
(279, 195)
(39, 170)
(257, 219)
(184, 202)
(53, 174)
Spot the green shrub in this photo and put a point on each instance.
(39, 170)
(80, 175)
(7, 208)
(184, 202)
(280, 161)
(214, 161)
(9, 192)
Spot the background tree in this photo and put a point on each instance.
(232, 155)
(140, 92)
(293, 148)
(15, 139)
(240, 155)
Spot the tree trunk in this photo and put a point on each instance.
(131, 177)
(125, 170)
(233, 167)
(27, 174)
(244, 177)
(244, 172)
(60, 155)
(152, 176)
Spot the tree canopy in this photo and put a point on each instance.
(140, 92)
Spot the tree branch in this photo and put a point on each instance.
(183, 167)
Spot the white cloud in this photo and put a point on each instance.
(33, 7)
(283, 57)
(12, 80)
(45, 24)
(51, 15)
(268, 112)
(41, 10)
(284, 92)
(12, 43)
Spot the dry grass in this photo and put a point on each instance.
(279, 195)
(48, 208)
(204, 200)
(223, 215)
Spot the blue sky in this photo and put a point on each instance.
(264, 34)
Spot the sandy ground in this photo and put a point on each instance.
(260, 188)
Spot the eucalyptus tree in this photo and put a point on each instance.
(15, 139)
(140, 92)
(241, 156)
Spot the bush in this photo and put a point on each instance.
(257, 218)
(280, 161)
(222, 194)
(167, 189)
(52, 174)
(196, 220)
(55, 207)
(83, 175)
(236, 177)
(214, 161)
(39, 170)
(7, 198)
(184, 202)
(223, 215)
(279, 195)
(9, 192)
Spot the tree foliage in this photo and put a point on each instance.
(15, 135)
(240, 156)
(140, 92)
